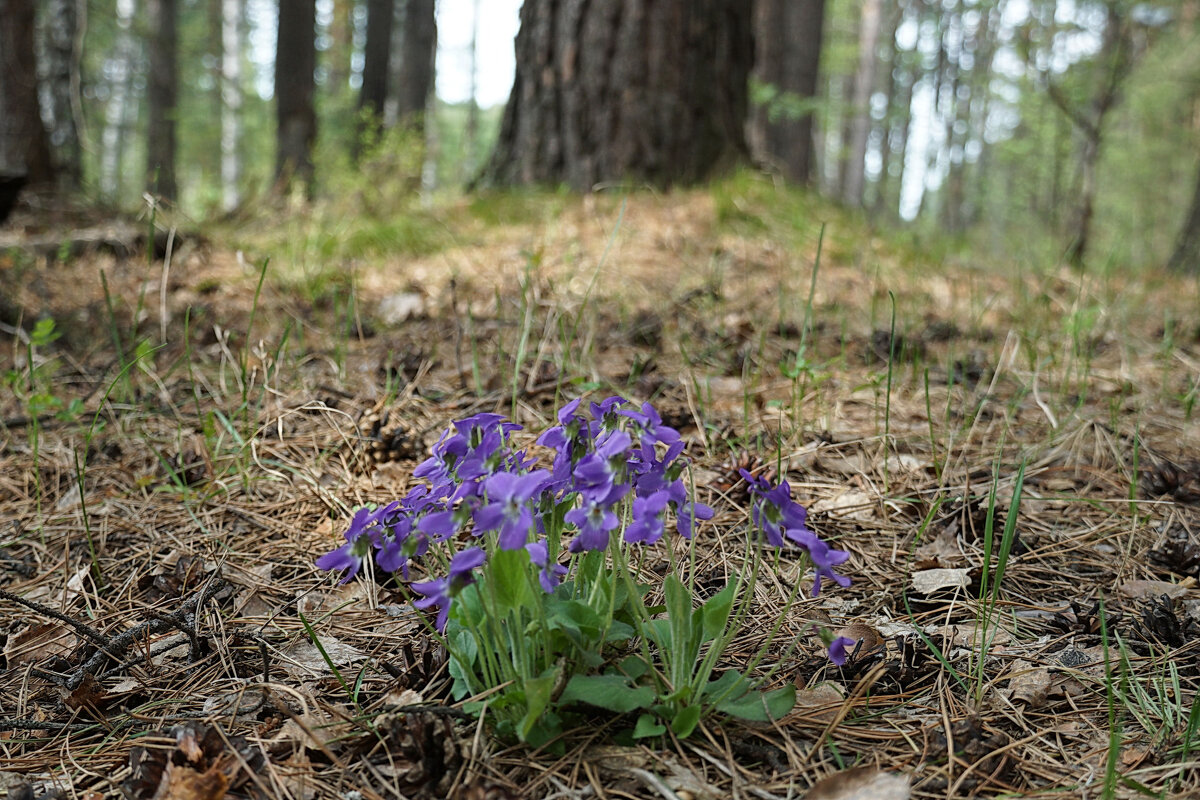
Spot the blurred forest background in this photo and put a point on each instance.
(1042, 129)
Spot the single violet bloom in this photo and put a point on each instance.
(824, 558)
(349, 557)
(508, 510)
(601, 474)
(594, 521)
(773, 509)
(550, 575)
(838, 649)
(441, 592)
(647, 525)
(651, 427)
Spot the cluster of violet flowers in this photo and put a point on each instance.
(479, 485)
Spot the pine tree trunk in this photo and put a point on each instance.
(162, 94)
(24, 147)
(611, 90)
(376, 57)
(295, 86)
(417, 56)
(231, 103)
(788, 36)
(864, 86)
(63, 44)
(120, 67)
(1186, 257)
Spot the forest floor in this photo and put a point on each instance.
(191, 433)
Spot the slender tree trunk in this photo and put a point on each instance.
(417, 56)
(162, 93)
(471, 135)
(602, 94)
(376, 57)
(231, 103)
(341, 49)
(295, 86)
(788, 54)
(62, 79)
(1186, 256)
(1115, 61)
(864, 86)
(890, 66)
(120, 67)
(24, 147)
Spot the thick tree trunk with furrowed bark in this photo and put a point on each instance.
(612, 90)
(788, 36)
(295, 85)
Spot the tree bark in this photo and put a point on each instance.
(63, 45)
(788, 36)
(864, 86)
(162, 91)
(417, 54)
(295, 85)
(24, 147)
(231, 103)
(1115, 61)
(611, 90)
(1186, 257)
(120, 67)
(376, 56)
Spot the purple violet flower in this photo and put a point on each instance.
(349, 557)
(601, 475)
(823, 558)
(773, 509)
(509, 510)
(594, 521)
(647, 525)
(550, 575)
(651, 427)
(441, 592)
(400, 546)
(837, 649)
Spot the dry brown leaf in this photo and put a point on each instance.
(864, 633)
(821, 702)
(968, 634)
(38, 643)
(860, 783)
(88, 694)
(304, 659)
(1146, 590)
(185, 783)
(942, 548)
(1133, 756)
(850, 504)
(928, 581)
(1029, 684)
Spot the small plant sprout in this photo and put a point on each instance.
(532, 572)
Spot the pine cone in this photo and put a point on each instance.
(385, 438)
(1179, 480)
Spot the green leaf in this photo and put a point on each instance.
(507, 572)
(685, 721)
(636, 666)
(463, 652)
(610, 692)
(619, 632)
(715, 611)
(726, 686)
(537, 697)
(761, 706)
(647, 726)
(573, 617)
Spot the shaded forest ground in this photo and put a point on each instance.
(191, 434)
